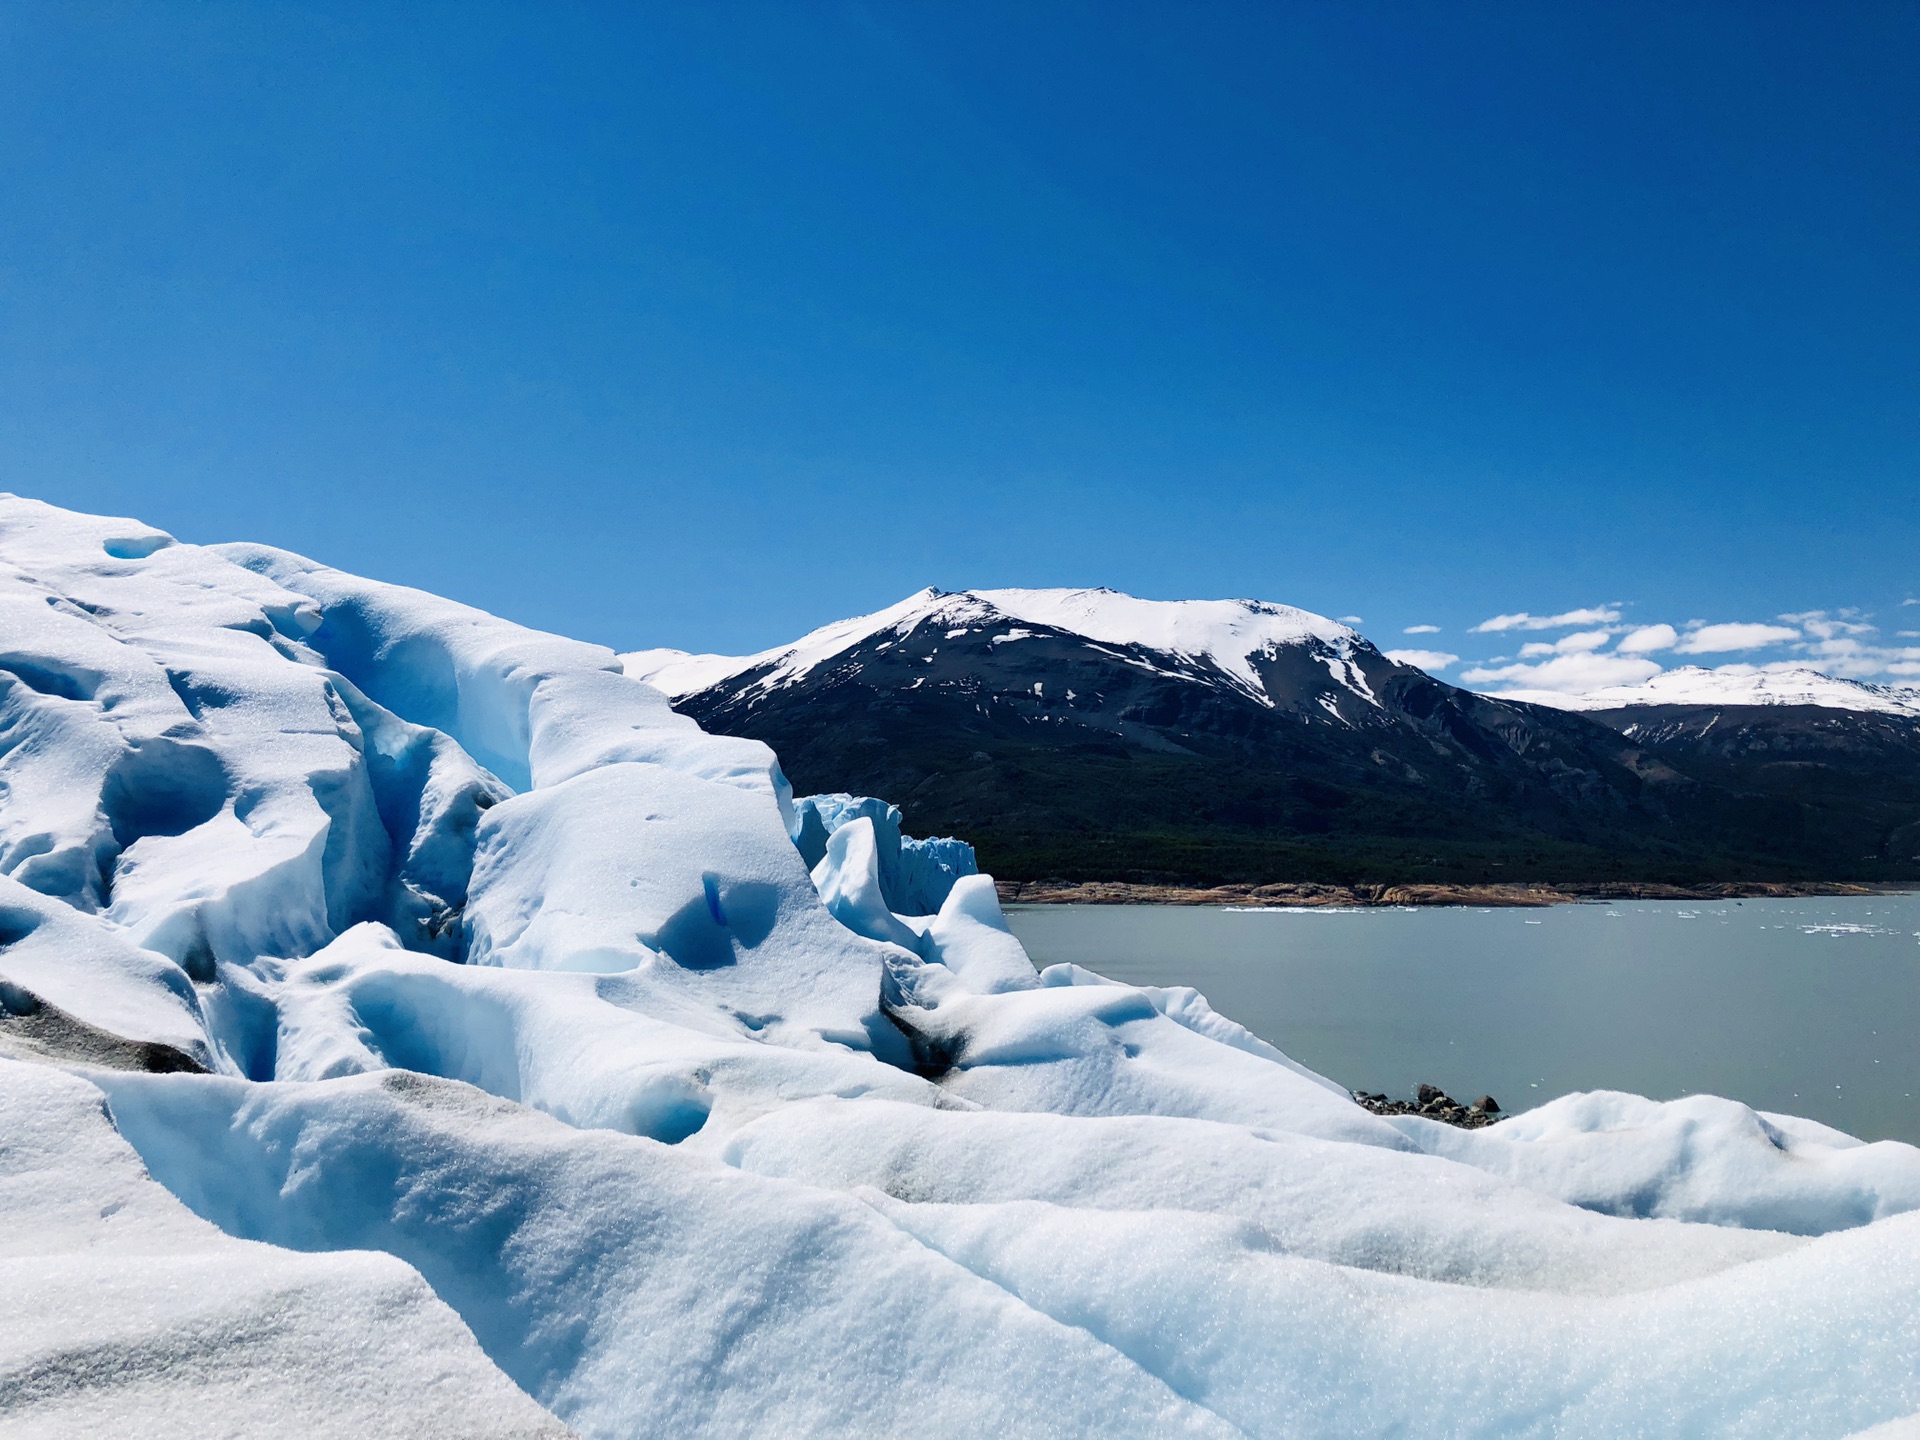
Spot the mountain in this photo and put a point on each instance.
(1695, 687)
(1086, 734)
(1845, 756)
(410, 1025)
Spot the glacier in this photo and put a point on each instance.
(410, 1025)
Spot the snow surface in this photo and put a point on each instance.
(1226, 635)
(1736, 685)
(557, 1064)
(126, 1314)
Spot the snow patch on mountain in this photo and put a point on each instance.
(1226, 636)
(1736, 685)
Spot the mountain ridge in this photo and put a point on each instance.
(1742, 685)
(1255, 743)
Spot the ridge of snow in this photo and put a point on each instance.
(1226, 634)
(1735, 685)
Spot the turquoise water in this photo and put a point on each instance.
(1811, 1007)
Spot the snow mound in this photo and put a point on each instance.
(519, 1050)
(1701, 1158)
(128, 1315)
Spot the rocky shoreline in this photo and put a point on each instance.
(1433, 1103)
(1115, 892)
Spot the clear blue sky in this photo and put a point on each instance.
(702, 325)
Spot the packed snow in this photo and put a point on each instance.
(1228, 637)
(128, 1314)
(410, 1025)
(1736, 685)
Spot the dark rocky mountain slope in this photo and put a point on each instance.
(1267, 744)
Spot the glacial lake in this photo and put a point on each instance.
(1810, 1007)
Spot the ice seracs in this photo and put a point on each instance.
(410, 1024)
(915, 876)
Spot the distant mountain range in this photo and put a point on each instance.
(1086, 734)
(1693, 685)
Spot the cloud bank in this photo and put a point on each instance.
(1521, 620)
(1599, 650)
(1719, 639)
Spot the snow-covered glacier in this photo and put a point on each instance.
(409, 1025)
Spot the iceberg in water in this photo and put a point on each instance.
(409, 1024)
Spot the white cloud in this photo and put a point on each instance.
(1597, 615)
(1840, 642)
(1855, 661)
(1423, 659)
(1577, 643)
(1842, 656)
(1351, 620)
(1573, 673)
(1581, 641)
(1647, 639)
(1825, 625)
(1716, 639)
(1843, 646)
(1421, 630)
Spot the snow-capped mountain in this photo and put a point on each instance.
(1695, 685)
(409, 1025)
(1229, 642)
(1089, 733)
